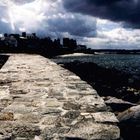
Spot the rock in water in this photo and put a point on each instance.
(130, 123)
(118, 104)
(132, 115)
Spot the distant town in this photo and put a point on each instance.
(31, 43)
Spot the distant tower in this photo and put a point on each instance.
(69, 43)
(66, 42)
(23, 34)
(34, 34)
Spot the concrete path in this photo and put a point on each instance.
(42, 101)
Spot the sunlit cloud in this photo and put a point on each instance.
(26, 16)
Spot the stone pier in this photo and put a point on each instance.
(40, 100)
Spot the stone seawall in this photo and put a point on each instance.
(40, 100)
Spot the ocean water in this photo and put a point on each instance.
(129, 64)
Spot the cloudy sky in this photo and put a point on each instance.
(96, 23)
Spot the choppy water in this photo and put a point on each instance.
(126, 63)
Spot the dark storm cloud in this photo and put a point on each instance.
(75, 25)
(127, 11)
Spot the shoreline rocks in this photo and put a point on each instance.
(118, 105)
(130, 123)
(116, 89)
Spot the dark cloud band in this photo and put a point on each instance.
(127, 11)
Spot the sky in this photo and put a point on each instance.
(99, 24)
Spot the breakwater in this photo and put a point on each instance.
(41, 100)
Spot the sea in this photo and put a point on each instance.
(127, 63)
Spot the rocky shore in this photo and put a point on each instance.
(119, 90)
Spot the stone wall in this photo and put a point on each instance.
(40, 100)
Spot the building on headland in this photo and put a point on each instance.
(70, 43)
(57, 42)
(13, 41)
(81, 47)
(31, 36)
(10, 40)
(23, 34)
